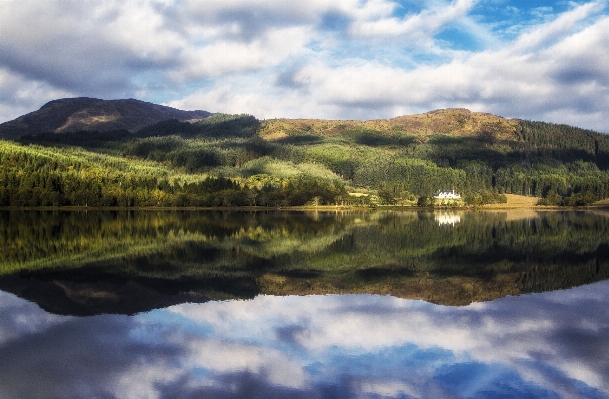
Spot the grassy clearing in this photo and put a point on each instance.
(515, 201)
(603, 203)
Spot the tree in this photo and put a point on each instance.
(425, 201)
(386, 197)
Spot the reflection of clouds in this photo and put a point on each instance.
(544, 345)
(18, 317)
(87, 357)
(226, 357)
(545, 338)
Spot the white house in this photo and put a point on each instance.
(447, 194)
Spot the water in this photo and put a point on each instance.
(304, 305)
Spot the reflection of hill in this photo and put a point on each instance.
(92, 262)
(86, 259)
(483, 258)
(90, 298)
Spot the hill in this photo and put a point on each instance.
(454, 121)
(235, 160)
(91, 114)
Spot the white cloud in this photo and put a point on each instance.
(85, 48)
(226, 57)
(318, 58)
(555, 30)
(551, 73)
(419, 27)
(20, 95)
(139, 382)
(21, 318)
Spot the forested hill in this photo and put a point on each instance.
(234, 160)
(91, 114)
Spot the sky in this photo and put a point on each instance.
(330, 59)
(550, 345)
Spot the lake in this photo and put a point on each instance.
(274, 304)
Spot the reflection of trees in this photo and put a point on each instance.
(240, 254)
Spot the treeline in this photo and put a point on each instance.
(538, 159)
(39, 176)
(564, 143)
(216, 126)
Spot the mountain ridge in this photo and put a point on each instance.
(228, 160)
(455, 121)
(92, 114)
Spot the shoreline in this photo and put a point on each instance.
(324, 208)
(514, 202)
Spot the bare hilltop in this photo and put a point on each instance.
(454, 121)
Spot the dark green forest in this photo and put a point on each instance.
(221, 255)
(227, 161)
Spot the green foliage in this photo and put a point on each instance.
(580, 199)
(285, 169)
(85, 139)
(483, 197)
(575, 199)
(386, 197)
(41, 176)
(215, 126)
(412, 175)
(342, 160)
(375, 138)
(562, 142)
(150, 167)
(551, 198)
(425, 201)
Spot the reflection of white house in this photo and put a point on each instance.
(448, 194)
(444, 219)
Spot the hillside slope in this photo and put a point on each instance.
(283, 162)
(454, 121)
(91, 114)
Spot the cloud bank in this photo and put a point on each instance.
(346, 59)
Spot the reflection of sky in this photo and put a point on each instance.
(552, 345)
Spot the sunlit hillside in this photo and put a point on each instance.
(238, 160)
(456, 122)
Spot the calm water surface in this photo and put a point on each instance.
(304, 305)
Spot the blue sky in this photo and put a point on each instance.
(347, 59)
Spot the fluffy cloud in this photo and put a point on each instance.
(552, 72)
(21, 318)
(225, 57)
(318, 58)
(418, 27)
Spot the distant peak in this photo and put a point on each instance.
(94, 114)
